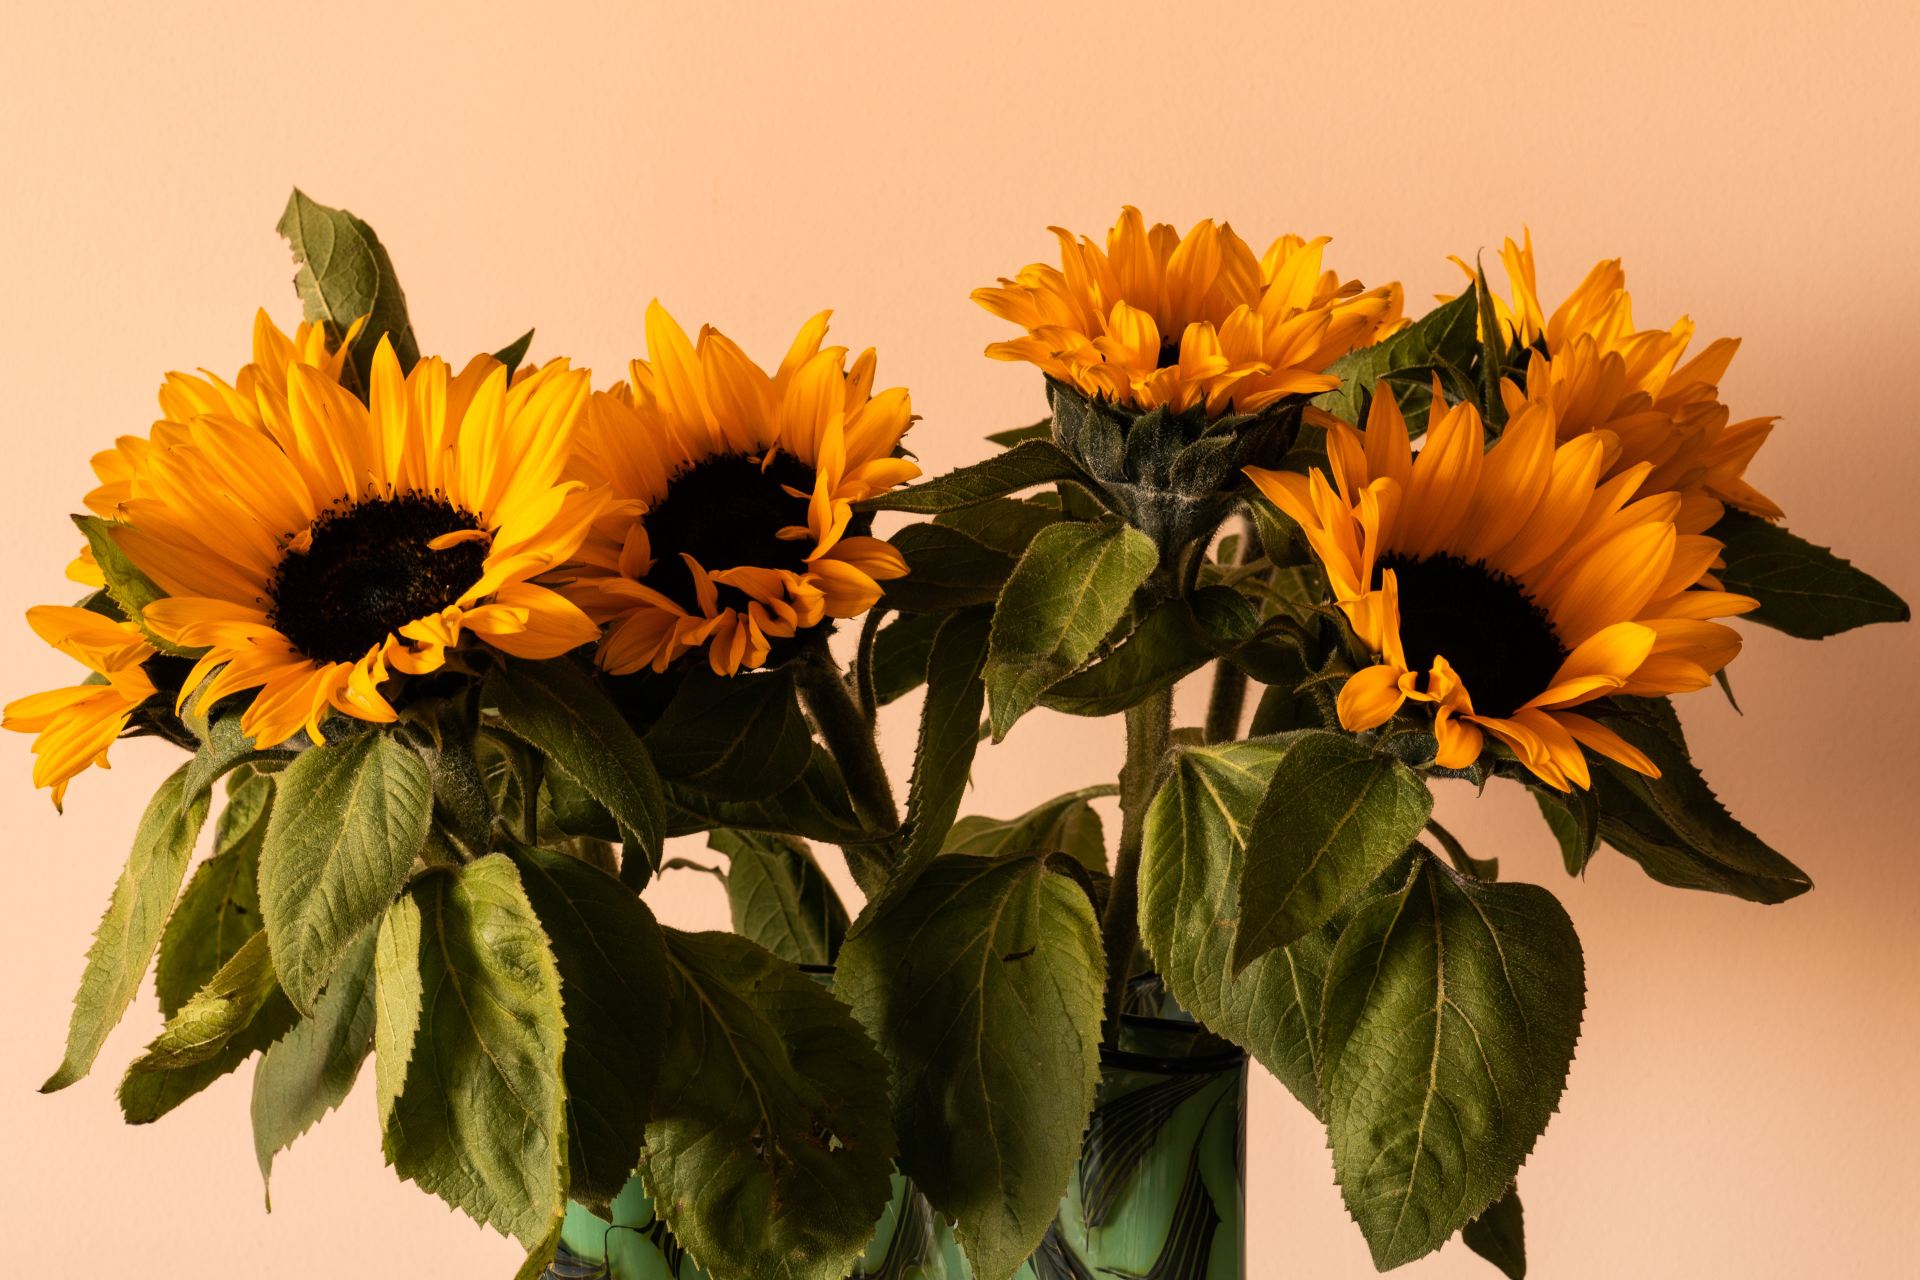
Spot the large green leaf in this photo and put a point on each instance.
(135, 917)
(479, 1120)
(220, 909)
(1178, 638)
(312, 1069)
(946, 569)
(1499, 1236)
(613, 983)
(1334, 817)
(347, 823)
(1025, 465)
(1006, 525)
(1190, 872)
(398, 995)
(983, 985)
(900, 654)
(1450, 1016)
(1070, 589)
(1674, 826)
(127, 586)
(344, 274)
(561, 710)
(814, 806)
(780, 898)
(1066, 824)
(1803, 589)
(771, 1141)
(1444, 338)
(738, 737)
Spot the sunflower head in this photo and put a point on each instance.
(1496, 590)
(732, 526)
(75, 726)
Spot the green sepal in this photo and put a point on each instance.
(1442, 341)
(344, 274)
(514, 352)
(1804, 590)
(129, 589)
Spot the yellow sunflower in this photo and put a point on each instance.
(1597, 372)
(77, 725)
(732, 525)
(325, 547)
(1157, 318)
(1505, 587)
(184, 397)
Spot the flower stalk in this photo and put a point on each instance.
(1149, 728)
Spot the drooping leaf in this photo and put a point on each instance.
(1006, 525)
(900, 654)
(946, 569)
(1025, 465)
(1066, 824)
(1444, 336)
(312, 1069)
(1072, 587)
(992, 1093)
(479, 1120)
(1574, 818)
(780, 898)
(1499, 1236)
(347, 822)
(1178, 638)
(345, 274)
(135, 917)
(127, 586)
(559, 709)
(771, 1142)
(398, 997)
(737, 737)
(1674, 826)
(613, 985)
(1334, 816)
(220, 909)
(1450, 1016)
(814, 806)
(1803, 589)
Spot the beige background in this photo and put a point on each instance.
(1743, 1100)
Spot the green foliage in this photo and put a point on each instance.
(1450, 1017)
(769, 1148)
(1066, 824)
(1334, 817)
(1177, 638)
(1025, 465)
(1070, 589)
(1574, 818)
(312, 1069)
(135, 917)
(780, 898)
(514, 352)
(1674, 826)
(346, 825)
(613, 987)
(1006, 525)
(992, 1091)
(1803, 589)
(814, 806)
(737, 737)
(1499, 1236)
(1443, 342)
(220, 909)
(398, 997)
(127, 586)
(344, 273)
(900, 653)
(946, 569)
(560, 710)
(479, 1117)
(1492, 353)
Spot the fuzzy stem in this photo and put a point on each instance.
(849, 737)
(1149, 726)
(1228, 702)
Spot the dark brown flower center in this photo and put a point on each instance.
(726, 511)
(1482, 623)
(1169, 352)
(368, 572)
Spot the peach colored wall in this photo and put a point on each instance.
(1742, 1104)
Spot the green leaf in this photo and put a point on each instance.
(738, 737)
(560, 709)
(398, 996)
(1190, 874)
(222, 749)
(946, 570)
(780, 898)
(1803, 589)
(344, 274)
(127, 586)
(1492, 351)
(1450, 1017)
(1041, 430)
(815, 807)
(613, 985)
(770, 1146)
(514, 352)
(1674, 826)
(1444, 336)
(900, 654)
(347, 823)
(1072, 587)
(1065, 824)
(1334, 817)
(312, 1069)
(1498, 1236)
(1178, 638)
(1025, 465)
(1006, 525)
(1574, 818)
(220, 909)
(992, 1092)
(479, 1120)
(135, 917)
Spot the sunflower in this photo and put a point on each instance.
(1161, 319)
(1505, 587)
(77, 725)
(1597, 372)
(184, 397)
(317, 547)
(732, 524)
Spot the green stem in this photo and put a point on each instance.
(849, 737)
(1227, 705)
(1149, 727)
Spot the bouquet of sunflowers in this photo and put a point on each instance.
(460, 648)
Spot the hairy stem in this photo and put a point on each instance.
(849, 737)
(1149, 726)
(1228, 702)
